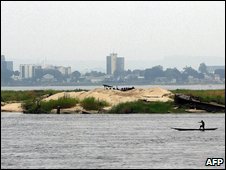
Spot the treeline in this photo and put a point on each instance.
(153, 75)
(157, 74)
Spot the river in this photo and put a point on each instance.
(169, 87)
(102, 141)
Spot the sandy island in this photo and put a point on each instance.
(113, 97)
(12, 107)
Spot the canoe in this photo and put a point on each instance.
(183, 129)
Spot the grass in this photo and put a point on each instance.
(91, 103)
(62, 102)
(10, 95)
(217, 96)
(143, 107)
(47, 106)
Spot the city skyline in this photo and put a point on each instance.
(101, 66)
(80, 34)
(115, 72)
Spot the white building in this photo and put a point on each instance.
(28, 70)
(111, 63)
(114, 63)
(120, 64)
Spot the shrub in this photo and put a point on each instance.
(47, 106)
(62, 102)
(91, 103)
(30, 107)
(142, 107)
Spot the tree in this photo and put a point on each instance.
(154, 72)
(75, 75)
(203, 68)
(16, 73)
(57, 74)
(189, 71)
(172, 73)
(138, 72)
(95, 74)
(39, 73)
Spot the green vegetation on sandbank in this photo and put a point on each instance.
(89, 103)
(32, 102)
(46, 106)
(217, 96)
(145, 107)
(19, 96)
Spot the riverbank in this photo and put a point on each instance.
(11, 107)
(149, 100)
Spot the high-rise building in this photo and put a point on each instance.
(111, 63)
(6, 64)
(28, 70)
(114, 63)
(120, 64)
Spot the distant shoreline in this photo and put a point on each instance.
(90, 87)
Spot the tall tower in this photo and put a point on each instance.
(111, 63)
(120, 64)
(114, 64)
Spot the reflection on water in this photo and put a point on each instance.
(109, 141)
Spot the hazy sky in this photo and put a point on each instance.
(82, 34)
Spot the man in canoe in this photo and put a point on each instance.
(202, 124)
